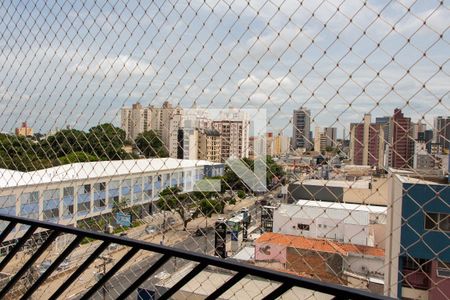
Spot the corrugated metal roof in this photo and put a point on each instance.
(86, 170)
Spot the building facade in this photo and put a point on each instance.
(417, 257)
(24, 130)
(234, 134)
(367, 143)
(69, 193)
(301, 123)
(442, 132)
(209, 145)
(320, 219)
(330, 136)
(401, 144)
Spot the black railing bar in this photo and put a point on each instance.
(159, 263)
(307, 283)
(177, 286)
(29, 263)
(80, 270)
(53, 267)
(226, 286)
(280, 290)
(110, 273)
(7, 230)
(17, 247)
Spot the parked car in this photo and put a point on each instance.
(151, 229)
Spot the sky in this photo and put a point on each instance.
(67, 63)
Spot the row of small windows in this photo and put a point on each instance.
(129, 191)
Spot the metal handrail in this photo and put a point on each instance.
(287, 281)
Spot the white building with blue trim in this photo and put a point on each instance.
(69, 193)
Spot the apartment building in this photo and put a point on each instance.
(401, 145)
(417, 257)
(234, 133)
(209, 145)
(367, 143)
(442, 132)
(24, 130)
(301, 124)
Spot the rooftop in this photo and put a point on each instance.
(358, 184)
(320, 245)
(86, 170)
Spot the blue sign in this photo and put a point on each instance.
(123, 219)
(144, 294)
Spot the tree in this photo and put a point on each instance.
(75, 157)
(171, 199)
(106, 142)
(150, 144)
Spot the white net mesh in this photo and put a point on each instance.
(309, 137)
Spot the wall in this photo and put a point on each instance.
(270, 252)
(330, 224)
(372, 264)
(313, 192)
(419, 242)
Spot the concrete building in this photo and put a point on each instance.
(384, 121)
(281, 145)
(341, 222)
(234, 133)
(317, 136)
(135, 120)
(24, 130)
(209, 145)
(364, 191)
(423, 159)
(442, 132)
(301, 122)
(401, 144)
(330, 136)
(69, 193)
(321, 259)
(165, 121)
(417, 261)
(367, 143)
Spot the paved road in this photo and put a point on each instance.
(200, 244)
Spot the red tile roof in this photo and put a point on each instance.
(320, 245)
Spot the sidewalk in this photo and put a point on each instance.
(171, 237)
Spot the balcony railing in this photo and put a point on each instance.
(283, 281)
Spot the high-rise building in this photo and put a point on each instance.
(385, 121)
(367, 143)
(427, 138)
(165, 121)
(331, 136)
(281, 145)
(301, 122)
(233, 128)
(317, 139)
(401, 146)
(442, 132)
(24, 130)
(209, 145)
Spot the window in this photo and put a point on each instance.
(126, 191)
(50, 203)
(29, 205)
(443, 269)
(303, 227)
(99, 196)
(137, 190)
(411, 263)
(68, 195)
(113, 192)
(148, 188)
(84, 199)
(437, 221)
